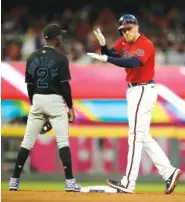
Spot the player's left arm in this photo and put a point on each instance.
(64, 73)
(66, 88)
(30, 89)
(64, 77)
(29, 80)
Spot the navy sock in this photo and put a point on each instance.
(21, 159)
(65, 156)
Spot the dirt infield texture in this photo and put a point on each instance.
(60, 196)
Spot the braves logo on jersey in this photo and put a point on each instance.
(126, 54)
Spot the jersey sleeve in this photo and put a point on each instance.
(29, 73)
(64, 74)
(144, 51)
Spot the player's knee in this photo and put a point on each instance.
(63, 143)
(28, 143)
(137, 136)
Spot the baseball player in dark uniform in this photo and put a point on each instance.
(47, 78)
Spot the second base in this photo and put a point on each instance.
(98, 189)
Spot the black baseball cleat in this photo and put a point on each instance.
(117, 185)
(172, 181)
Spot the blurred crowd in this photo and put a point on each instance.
(22, 32)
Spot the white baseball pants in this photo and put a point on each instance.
(141, 100)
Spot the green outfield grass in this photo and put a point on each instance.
(60, 186)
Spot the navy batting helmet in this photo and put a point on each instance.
(127, 21)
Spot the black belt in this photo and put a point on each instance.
(46, 93)
(140, 84)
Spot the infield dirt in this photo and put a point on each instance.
(60, 196)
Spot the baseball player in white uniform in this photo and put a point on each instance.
(136, 53)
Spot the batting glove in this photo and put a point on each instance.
(100, 37)
(102, 58)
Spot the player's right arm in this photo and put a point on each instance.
(109, 52)
(138, 58)
(104, 48)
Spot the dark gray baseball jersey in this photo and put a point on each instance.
(46, 69)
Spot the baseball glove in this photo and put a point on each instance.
(46, 128)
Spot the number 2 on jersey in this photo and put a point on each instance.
(42, 73)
